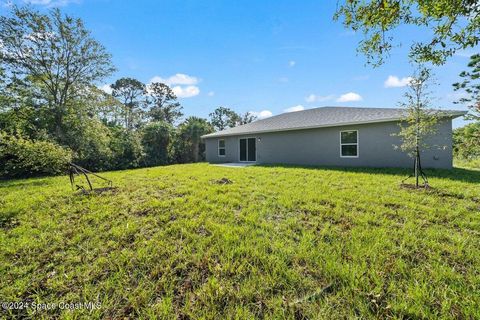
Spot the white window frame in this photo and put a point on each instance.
(224, 148)
(350, 144)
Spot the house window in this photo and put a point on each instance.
(221, 147)
(349, 144)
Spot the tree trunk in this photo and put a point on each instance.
(58, 126)
(417, 167)
(196, 148)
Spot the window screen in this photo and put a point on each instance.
(349, 143)
(221, 147)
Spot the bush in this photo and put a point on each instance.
(90, 141)
(156, 141)
(127, 149)
(189, 146)
(20, 157)
(466, 142)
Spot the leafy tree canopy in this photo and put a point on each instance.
(222, 118)
(156, 139)
(454, 25)
(131, 94)
(247, 117)
(189, 145)
(471, 86)
(54, 51)
(467, 141)
(164, 103)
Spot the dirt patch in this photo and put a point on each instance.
(394, 206)
(438, 192)
(203, 231)
(8, 222)
(441, 193)
(144, 212)
(343, 222)
(395, 217)
(327, 203)
(222, 181)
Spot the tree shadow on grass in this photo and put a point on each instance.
(455, 174)
(26, 182)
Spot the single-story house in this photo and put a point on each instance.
(330, 136)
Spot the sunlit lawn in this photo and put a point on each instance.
(277, 242)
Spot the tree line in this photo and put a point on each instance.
(52, 112)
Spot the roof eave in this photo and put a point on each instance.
(452, 115)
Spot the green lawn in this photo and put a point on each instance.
(468, 164)
(278, 242)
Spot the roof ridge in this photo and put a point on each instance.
(322, 117)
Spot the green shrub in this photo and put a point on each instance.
(156, 140)
(20, 157)
(466, 142)
(189, 146)
(90, 141)
(127, 149)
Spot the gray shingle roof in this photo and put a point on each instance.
(321, 117)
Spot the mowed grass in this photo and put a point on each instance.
(278, 242)
(473, 164)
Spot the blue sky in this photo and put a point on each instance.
(260, 56)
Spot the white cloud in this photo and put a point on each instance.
(186, 92)
(182, 84)
(292, 63)
(51, 3)
(396, 82)
(314, 98)
(283, 79)
(106, 88)
(350, 96)
(295, 108)
(262, 114)
(211, 93)
(176, 79)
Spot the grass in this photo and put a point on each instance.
(277, 242)
(468, 164)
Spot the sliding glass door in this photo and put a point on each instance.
(248, 150)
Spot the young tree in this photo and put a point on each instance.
(419, 122)
(164, 103)
(471, 86)
(131, 94)
(450, 25)
(222, 118)
(55, 50)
